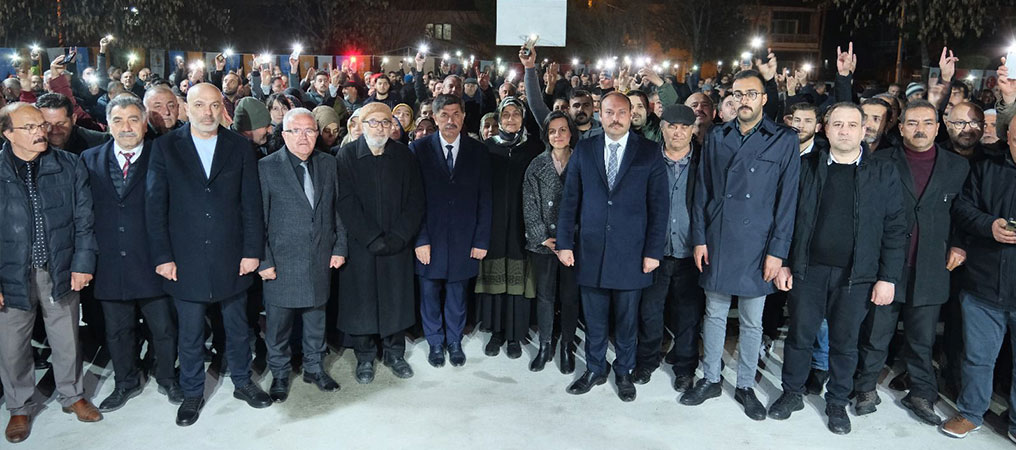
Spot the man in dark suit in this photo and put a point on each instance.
(932, 177)
(741, 227)
(455, 234)
(203, 181)
(124, 283)
(616, 190)
(305, 239)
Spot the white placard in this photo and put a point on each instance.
(517, 19)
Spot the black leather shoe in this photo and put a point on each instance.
(365, 372)
(322, 380)
(839, 422)
(670, 358)
(625, 387)
(189, 411)
(399, 366)
(455, 354)
(545, 355)
(493, 346)
(39, 360)
(436, 356)
(816, 381)
(118, 398)
(641, 375)
(586, 382)
(683, 382)
(786, 405)
(923, 408)
(514, 350)
(253, 395)
(900, 382)
(567, 358)
(703, 390)
(279, 391)
(173, 391)
(865, 402)
(752, 407)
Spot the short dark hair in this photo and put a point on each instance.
(847, 105)
(750, 73)
(643, 96)
(578, 93)
(428, 101)
(123, 101)
(963, 87)
(545, 133)
(443, 100)
(918, 104)
(278, 98)
(55, 100)
(878, 102)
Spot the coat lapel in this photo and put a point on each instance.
(903, 167)
(598, 152)
(223, 153)
(285, 171)
(109, 161)
(631, 146)
(317, 178)
(136, 176)
(441, 155)
(190, 153)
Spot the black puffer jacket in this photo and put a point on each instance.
(879, 221)
(67, 209)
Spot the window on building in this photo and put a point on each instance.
(442, 31)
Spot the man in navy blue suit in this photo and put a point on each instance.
(455, 234)
(206, 231)
(616, 193)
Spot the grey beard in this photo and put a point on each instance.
(376, 143)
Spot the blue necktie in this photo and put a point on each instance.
(612, 164)
(449, 159)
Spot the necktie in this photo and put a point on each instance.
(612, 164)
(127, 164)
(308, 185)
(449, 159)
(39, 256)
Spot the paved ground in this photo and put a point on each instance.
(490, 403)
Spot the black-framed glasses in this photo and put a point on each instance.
(963, 124)
(375, 124)
(752, 95)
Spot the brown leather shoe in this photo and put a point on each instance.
(18, 428)
(959, 427)
(85, 410)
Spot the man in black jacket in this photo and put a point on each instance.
(847, 250)
(49, 255)
(58, 111)
(932, 178)
(125, 282)
(986, 210)
(206, 231)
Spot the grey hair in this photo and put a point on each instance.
(286, 119)
(155, 90)
(124, 101)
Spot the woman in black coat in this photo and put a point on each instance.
(504, 282)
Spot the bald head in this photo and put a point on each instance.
(204, 108)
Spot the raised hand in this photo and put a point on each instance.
(947, 64)
(846, 61)
(1006, 84)
(528, 62)
(768, 68)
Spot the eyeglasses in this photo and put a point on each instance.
(752, 95)
(304, 132)
(32, 128)
(375, 124)
(961, 125)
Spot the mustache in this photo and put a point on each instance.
(40, 140)
(615, 124)
(920, 135)
(126, 134)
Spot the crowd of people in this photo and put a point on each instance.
(201, 212)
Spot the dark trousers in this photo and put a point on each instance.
(824, 294)
(443, 323)
(919, 323)
(365, 346)
(675, 283)
(121, 322)
(555, 283)
(597, 306)
(191, 317)
(280, 338)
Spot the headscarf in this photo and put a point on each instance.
(324, 116)
(503, 137)
(410, 108)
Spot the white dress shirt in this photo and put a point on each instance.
(121, 160)
(620, 150)
(455, 148)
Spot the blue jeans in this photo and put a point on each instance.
(820, 356)
(714, 333)
(984, 328)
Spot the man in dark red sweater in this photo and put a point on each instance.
(932, 178)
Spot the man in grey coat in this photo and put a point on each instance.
(305, 240)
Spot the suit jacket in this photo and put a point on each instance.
(458, 215)
(745, 202)
(616, 227)
(932, 214)
(300, 240)
(124, 270)
(205, 224)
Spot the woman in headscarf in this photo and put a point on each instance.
(353, 131)
(328, 128)
(504, 283)
(541, 194)
(404, 114)
(488, 126)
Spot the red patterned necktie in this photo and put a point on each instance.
(126, 164)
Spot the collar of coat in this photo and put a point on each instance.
(766, 125)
